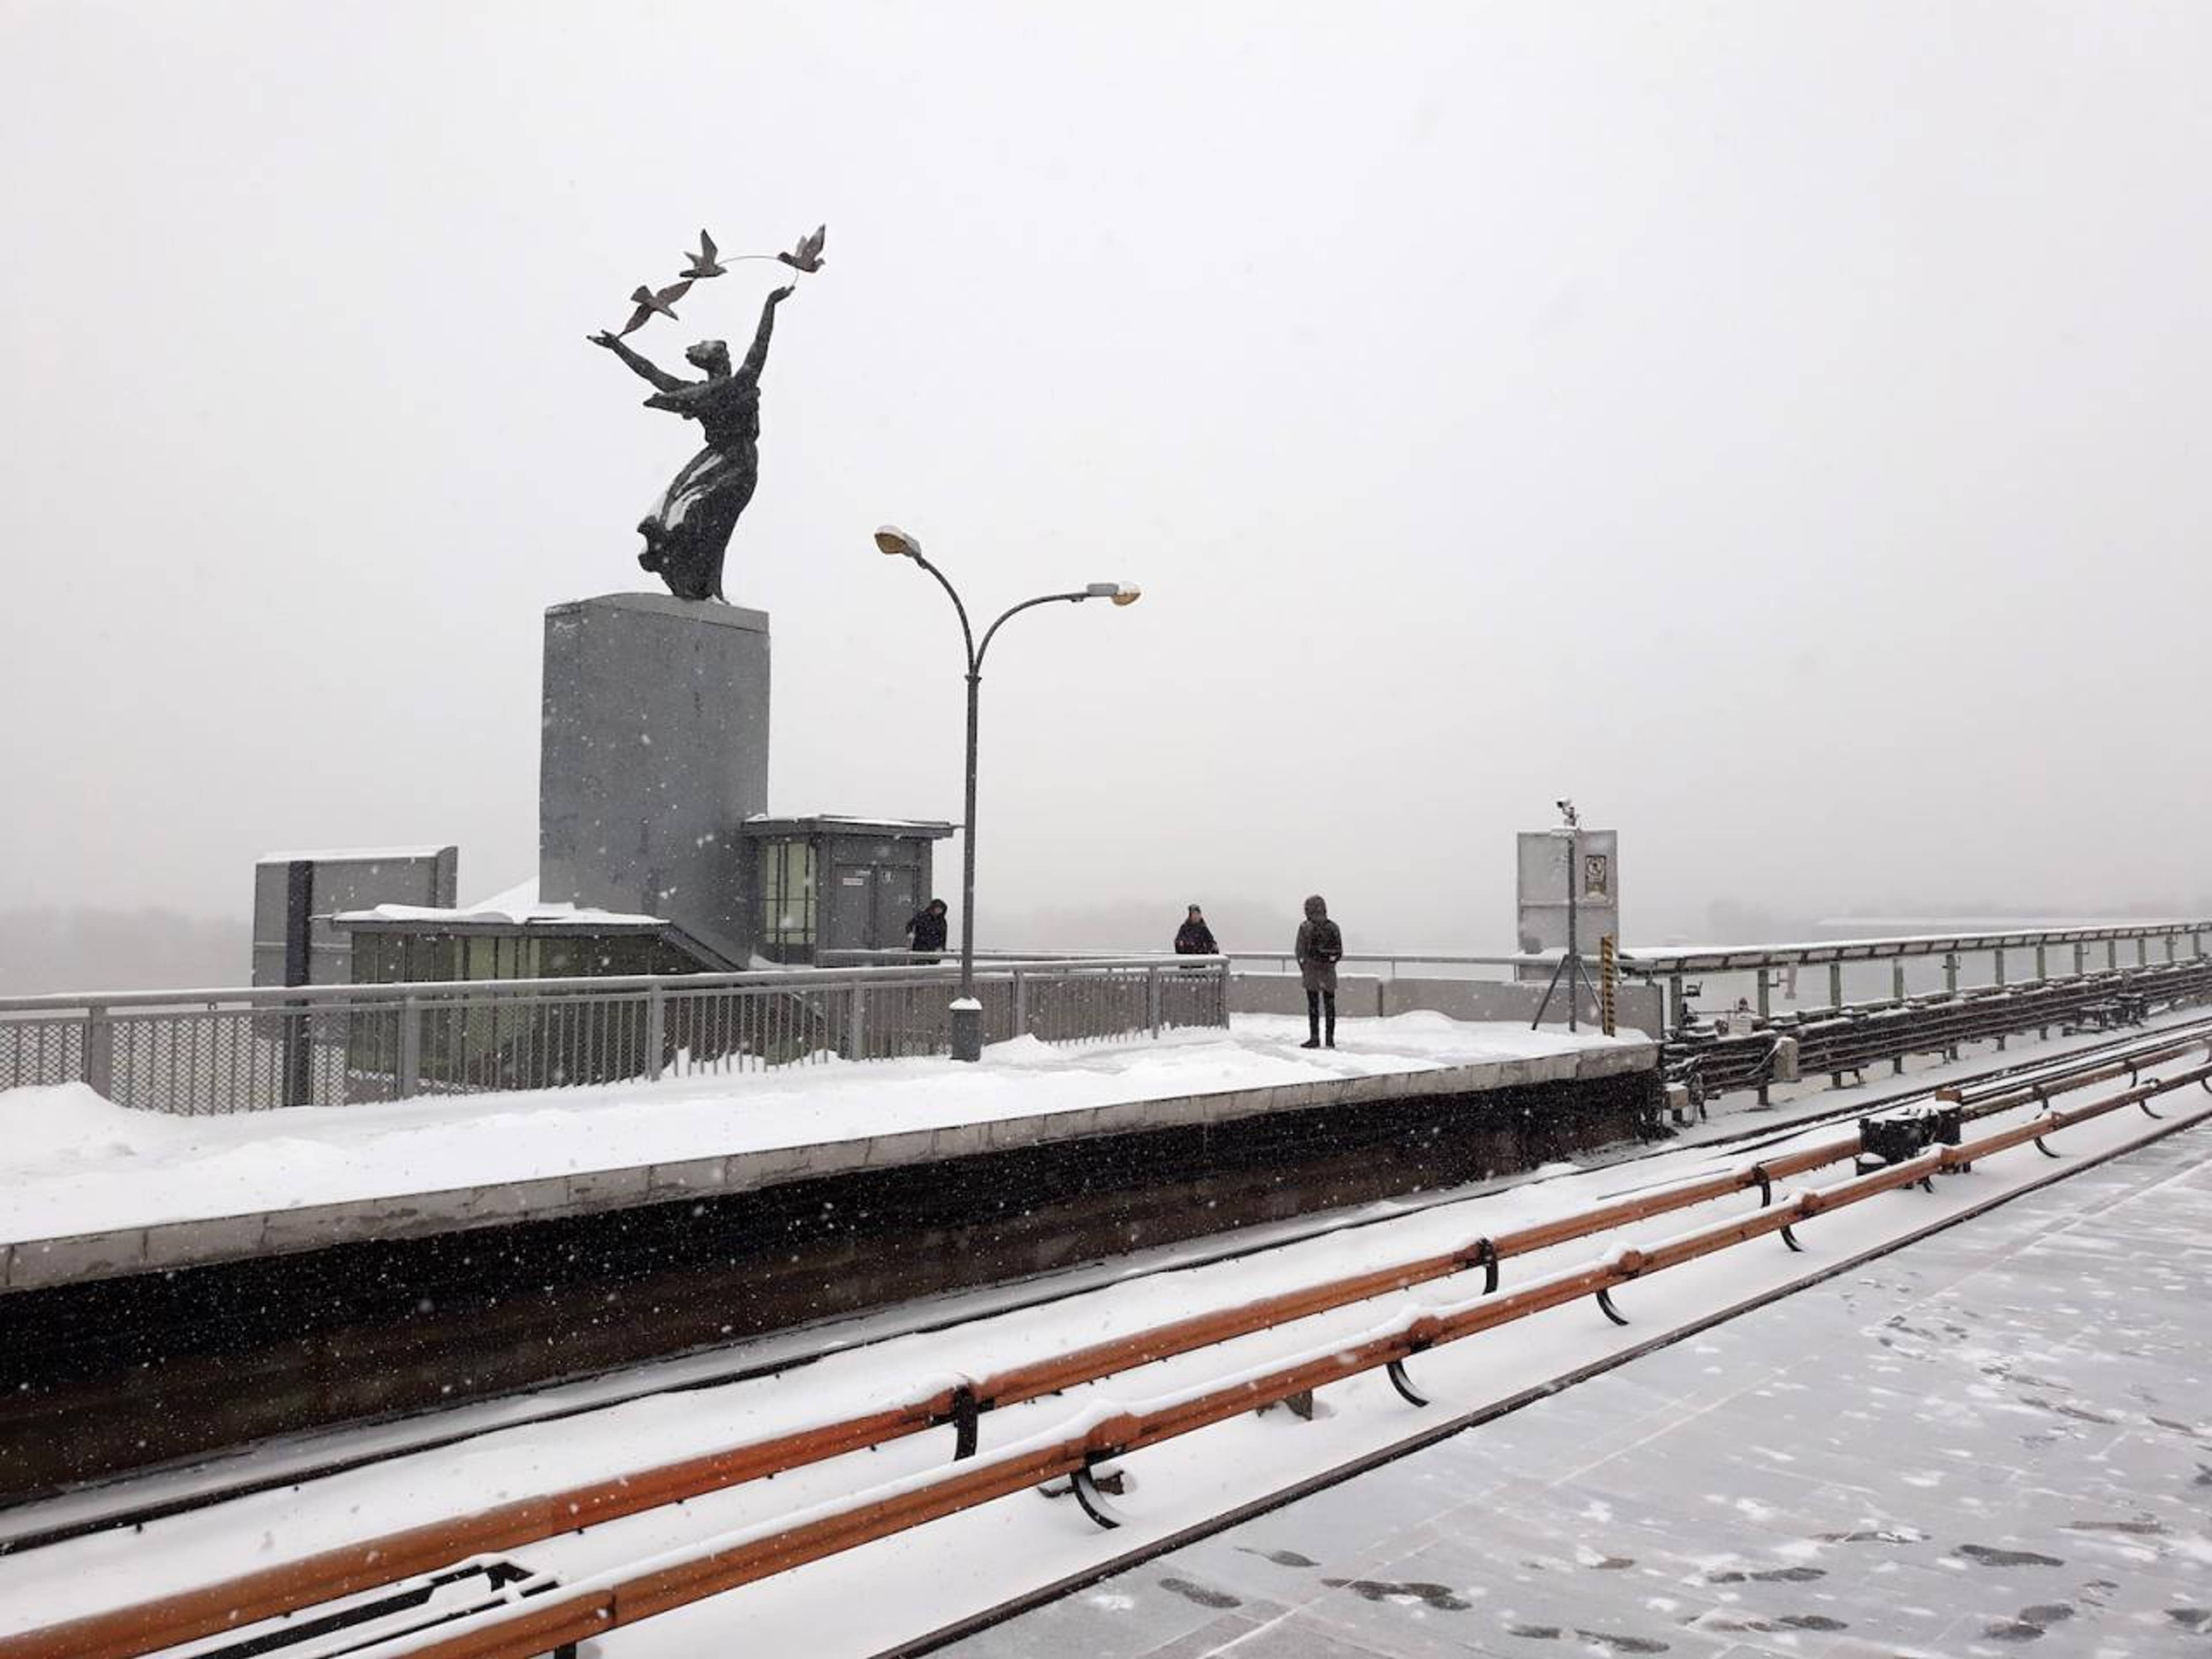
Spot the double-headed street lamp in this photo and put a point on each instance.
(967, 1011)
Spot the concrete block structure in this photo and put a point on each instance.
(654, 751)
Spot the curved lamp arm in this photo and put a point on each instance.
(1015, 610)
(967, 634)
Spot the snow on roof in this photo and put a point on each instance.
(846, 817)
(352, 854)
(518, 906)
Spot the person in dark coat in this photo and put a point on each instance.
(1321, 943)
(1194, 938)
(927, 931)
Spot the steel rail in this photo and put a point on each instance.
(148, 1626)
(639, 1590)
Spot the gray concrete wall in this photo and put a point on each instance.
(655, 749)
(1636, 1008)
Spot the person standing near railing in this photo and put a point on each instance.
(1194, 938)
(1321, 943)
(927, 930)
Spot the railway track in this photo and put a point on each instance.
(124, 1503)
(526, 1606)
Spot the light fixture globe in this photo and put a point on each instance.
(895, 541)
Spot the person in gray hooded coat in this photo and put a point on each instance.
(1320, 942)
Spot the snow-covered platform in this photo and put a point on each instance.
(96, 1192)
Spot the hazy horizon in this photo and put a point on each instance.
(1770, 426)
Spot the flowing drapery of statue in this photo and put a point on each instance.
(687, 534)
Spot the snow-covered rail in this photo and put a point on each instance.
(535, 1616)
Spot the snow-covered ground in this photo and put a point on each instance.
(71, 1163)
(904, 1586)
(1995, 1441)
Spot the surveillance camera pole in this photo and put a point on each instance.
(1571, 966)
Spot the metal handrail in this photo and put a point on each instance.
(795, 979)
(1723, 958)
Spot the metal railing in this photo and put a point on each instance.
(230, 1050)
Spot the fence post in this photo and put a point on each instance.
(2112, 954)
(1608, 976)
(1021, 1003)
(2043, 977)
(656, 1030)
(410, 1079)
(2081, 959)
(99, 1056)
(1678, 1005)
(856, 1023)
(2169, 947)
(1997, 964)
(1897, 995)
(1765, 994)
(1221, 996)
(2142, 950)
(1835, 985)
(1152, 999)
(1951, 974)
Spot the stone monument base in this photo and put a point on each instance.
(654, 751)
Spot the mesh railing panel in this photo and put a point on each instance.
(241, 1057)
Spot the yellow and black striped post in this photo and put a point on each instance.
(1607, 976)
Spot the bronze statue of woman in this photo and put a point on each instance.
(687, 534)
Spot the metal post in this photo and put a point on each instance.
(1765, 995)
(2142, 950)
(1021, 1003)
(2081, 959)
(1997, 963)
(656, 1031)
(1152, 999)
(856, 1023)
(2169, 947)
(2042, 977)
(409, 1081)
(99, 1050)
(2112, 954)
(1951, 973)
(967, 1015)
(1897, 995)
(1573, 964)
(1678, 1010)
(1835, 985)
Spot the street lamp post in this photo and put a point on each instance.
(967, 1010)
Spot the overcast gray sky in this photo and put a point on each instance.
(1779, 426)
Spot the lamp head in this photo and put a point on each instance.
(1120, 592)
(890, 539)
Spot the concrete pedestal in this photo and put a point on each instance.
(654, 751)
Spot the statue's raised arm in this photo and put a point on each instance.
(642, 366)
(756, 359)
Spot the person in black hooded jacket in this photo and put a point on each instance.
(1321, 943)
(1194, 938)
(927, 931)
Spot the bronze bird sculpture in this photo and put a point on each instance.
(807, 256)
(703, 263)
(648, 301)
